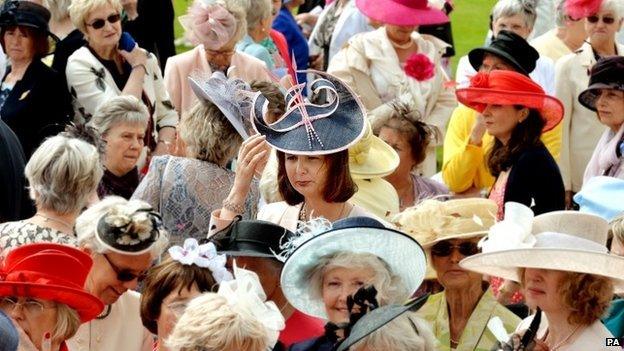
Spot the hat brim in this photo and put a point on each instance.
(381, 161)
(549, 107)
(403, 254)
(588, 96)
(390, 12)
(87, 305)
(506, 263)
(476, 58)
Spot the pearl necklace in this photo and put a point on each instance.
(562, 342)
(402, 46)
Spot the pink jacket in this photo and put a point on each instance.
(179, 67)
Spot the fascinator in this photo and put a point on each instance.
(204, 256)
(246, 292)
(129, 229)
(231, 95)
(582, 8)
(308, 128)
(209, 23)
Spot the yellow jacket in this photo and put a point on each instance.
(464, 165)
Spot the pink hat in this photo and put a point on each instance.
(402, 12)
(582, 8)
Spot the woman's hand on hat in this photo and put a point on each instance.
(478, 130)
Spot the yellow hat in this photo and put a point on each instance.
(377, 196)
(371, 157)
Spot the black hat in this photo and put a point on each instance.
(607, 73)
(251, 238)
(511, 47)
(378, 318)
(27, 14)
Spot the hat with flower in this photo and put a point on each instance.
(402, 12)
(510, 88)
(209, 22)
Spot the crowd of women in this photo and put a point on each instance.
(277, 186)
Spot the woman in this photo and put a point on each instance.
(565, 270)
(516, 112)
(215, 30)
(63, 174)
(312, 144)
(33, 100)
(396, 64)
(43, 297)
(450, 231)
(328, 264)
(70, 38)
(605, 96)
(410, 138)
(104, 69)
(187, 189)
(581, 128)
(257, 42)
(188, 272)
(122, 123)
(286, 24)
(253, 324)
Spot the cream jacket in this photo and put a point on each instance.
(580, 126)
(372, 52)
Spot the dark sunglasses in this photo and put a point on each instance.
(605, 20)
(100, 23)
(445, 248)
(125, 275)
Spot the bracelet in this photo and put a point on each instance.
(140, 65)
(232, 207)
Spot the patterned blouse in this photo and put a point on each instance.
(14, 234)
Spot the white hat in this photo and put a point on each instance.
(562, 240)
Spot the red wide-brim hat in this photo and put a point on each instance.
(510, 88)
(402, 12)
(50, 272)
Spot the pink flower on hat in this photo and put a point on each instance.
(582, 8)
(419, 67)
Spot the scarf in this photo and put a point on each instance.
(605, 155)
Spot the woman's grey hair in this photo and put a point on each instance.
(63, 173)
(120, 109)
(86, 224)
(67, 322)
(616, 6)
(79, 10)
(561, 14)
(407, 333)
(208, 134)
(510, 8)
(59, 9)
(390, 287)
(257, 10)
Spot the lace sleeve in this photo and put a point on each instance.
(149, 190)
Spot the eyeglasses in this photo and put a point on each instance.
(445, 248)
(224, 53)
(100, 23)
(125, 275)
(605, 19)
(30, 306)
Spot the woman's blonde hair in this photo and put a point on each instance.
(59, 9)
(210, 323)
(617, 228)
(79, 10)
(208, 134)
(63, 173)
(406, 333)
(390, 287)
(67, 322)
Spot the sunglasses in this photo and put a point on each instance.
(125, 275)
(100, 23)
(605, 20)
(445, 248)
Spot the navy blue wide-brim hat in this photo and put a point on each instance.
(607, 73)
(308, 128)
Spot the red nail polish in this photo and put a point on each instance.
(47, 335)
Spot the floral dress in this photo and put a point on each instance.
(15, 234)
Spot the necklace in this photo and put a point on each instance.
(402, 46)
(105, 313)
(562, 342)
(47, 218)
(303, 214)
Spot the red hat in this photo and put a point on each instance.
(510, 88)
(402, 12)
(51, 272)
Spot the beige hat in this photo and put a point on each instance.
(562, 240)
(432, 221)
(371, 157)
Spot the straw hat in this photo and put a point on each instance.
(372, 157)
(432, 221)
(562, 240)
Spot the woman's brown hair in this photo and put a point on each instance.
(163, 279)
(524, 136)
(339, 186)
(40, 43)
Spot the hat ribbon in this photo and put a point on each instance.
(305, 231)
(204, 256)
(246, 291)
(358, 153)
(512, 232)
(38, 278)
(209, 23)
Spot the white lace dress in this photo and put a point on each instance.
(185, 191)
